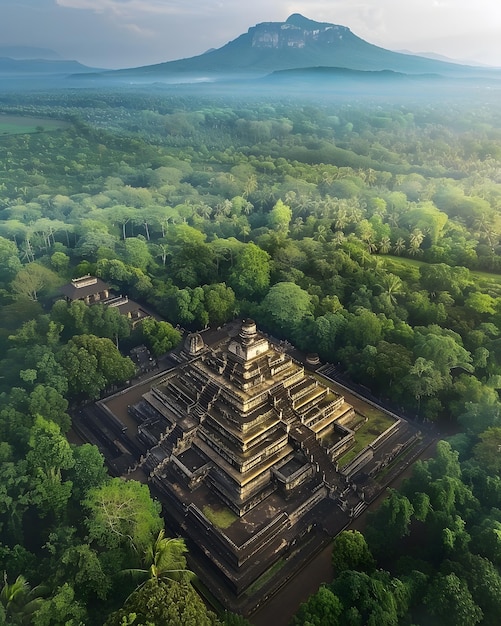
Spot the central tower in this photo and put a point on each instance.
(242, 431)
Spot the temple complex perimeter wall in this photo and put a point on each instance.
(241, 431)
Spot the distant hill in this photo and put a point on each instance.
(442, 57)
(9, 66)
(340, 81)
(28, 52)
(296, 43)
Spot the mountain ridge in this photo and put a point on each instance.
(12, 66)
(24, 53)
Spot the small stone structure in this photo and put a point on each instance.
(87, 288)
(93, 290)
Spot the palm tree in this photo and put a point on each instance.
(392, 285)
(247, 208)
(371, 245)
(20, 600)
(297, 225)
(384, 245)
(338, 238)
(399, 246)
(204, 210)
(290, 198)
(415, 241)
(320, 233)
(394, 218)
(223, 208)
(328, 177)
(245, 230)
(163, 560)
(250, 186)
(371, 177)
(342, 220)
(355, 212)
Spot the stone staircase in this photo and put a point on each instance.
(318, 454)
(282, 405)
(207, 396)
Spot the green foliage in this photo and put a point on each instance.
(88, 470)
(390, 522)
(250, 276)
(479, 416)
(279, 217)
(321, 609)
(484, 583)
(350, 551)
(375, 599)
(163, 560)
(10, 264)
(81, 564)
(286, 306)
(122, 514)
(232, 619)
(487, 451)
(353, 230)
(62, 608)
(50, 404)
(93, 363)
(47, 461)
(160, 337)
(220, 303)
(450, 602)
(32, 281)
(176, 604)
(486, 539)
(19, 600)
(49, 448)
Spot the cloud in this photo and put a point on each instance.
(136, 8)
(146, 19)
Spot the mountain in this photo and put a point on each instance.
(296, 43)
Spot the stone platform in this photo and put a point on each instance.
(241, 443)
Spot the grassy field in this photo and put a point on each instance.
(393, 263)
(486, 282)
(20, 125)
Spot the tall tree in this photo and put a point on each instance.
(250, 276)
(33, 280)
(163, 560)
(160, 337)
(122, 514)
(92, 364)
(350, 551)
(286, 306)
(156, 602)
(450, 601)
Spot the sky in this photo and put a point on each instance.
(131, 33)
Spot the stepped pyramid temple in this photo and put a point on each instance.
(241, 444)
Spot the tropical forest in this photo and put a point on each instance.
(364, 229)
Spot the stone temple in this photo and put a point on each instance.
(241, 443)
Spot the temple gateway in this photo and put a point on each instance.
(241, 444)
